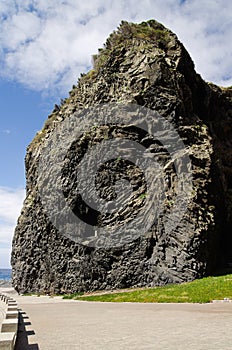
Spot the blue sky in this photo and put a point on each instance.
(45, 45)
(22, 114)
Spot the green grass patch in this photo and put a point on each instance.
(73, 296)
(199, 291)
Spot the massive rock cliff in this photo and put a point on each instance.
(143, 65)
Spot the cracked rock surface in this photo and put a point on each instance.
(145, 65)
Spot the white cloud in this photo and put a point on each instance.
(11, 201)
(5, 258)
(21, 28)
(6, 131)
(46, 45)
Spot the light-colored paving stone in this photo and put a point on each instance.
(2, 311)
(73, 325)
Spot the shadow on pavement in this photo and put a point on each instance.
(22, 342)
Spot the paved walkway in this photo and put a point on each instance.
(54, 324)
(2, 312)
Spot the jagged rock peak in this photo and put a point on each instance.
(128, 46)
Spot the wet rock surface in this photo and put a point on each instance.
(143, 65)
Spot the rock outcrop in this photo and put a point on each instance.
(146, 65)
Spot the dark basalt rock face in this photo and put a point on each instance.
(143, 64)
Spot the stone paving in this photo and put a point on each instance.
(2, 310)
(56, 324)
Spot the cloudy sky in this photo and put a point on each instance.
(45, 45)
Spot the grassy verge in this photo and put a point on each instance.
(199, 291)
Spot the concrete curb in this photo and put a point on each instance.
(9, 325)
